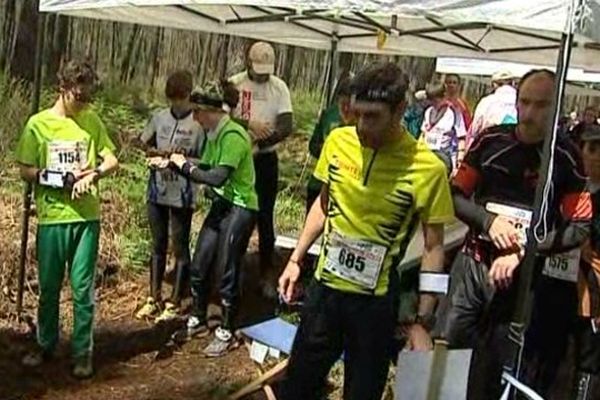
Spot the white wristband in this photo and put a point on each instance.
(434, 282)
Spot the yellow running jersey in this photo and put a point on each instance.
(376, 200)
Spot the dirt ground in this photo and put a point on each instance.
(131, 359)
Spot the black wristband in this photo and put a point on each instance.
(186, 168)
(427, 321)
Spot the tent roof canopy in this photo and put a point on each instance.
(485, 29)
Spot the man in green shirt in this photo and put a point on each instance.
(336, 115)
(63, 151)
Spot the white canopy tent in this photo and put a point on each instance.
(468, 66)
(512, 30)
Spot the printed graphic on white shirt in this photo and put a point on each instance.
(166, 186)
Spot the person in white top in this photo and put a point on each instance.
(265, 109)
(443, 129)
(496, 108)
(171, 197)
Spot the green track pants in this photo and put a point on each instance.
(71, 246)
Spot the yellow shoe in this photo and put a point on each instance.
(148, 310)
(170, 312)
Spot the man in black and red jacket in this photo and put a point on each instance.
(494, 191)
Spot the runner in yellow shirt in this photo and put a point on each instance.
(379, 183)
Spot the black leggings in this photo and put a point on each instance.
(181, 221)
(266, 166)
(221, 245)
(332, 323)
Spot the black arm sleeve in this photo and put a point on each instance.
(214, 177)
(283, 128)
(570, 235)
(573, 229)
(470, 212)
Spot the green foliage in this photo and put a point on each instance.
(307, 106)
(14, 109)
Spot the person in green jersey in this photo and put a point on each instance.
(227, 167)
(63, 151)
(379, 184)
(337, 114)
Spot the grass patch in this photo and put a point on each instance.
(306, 107)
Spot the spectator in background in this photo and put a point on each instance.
(443, 129)
(413, 117)
(497, 108)
(587, 337)
(265, 109)
(337, 114)
(453, 86)
(589, 118)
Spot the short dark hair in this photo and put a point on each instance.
(179, 85)
(76, 72)
(591, 108)
(385, 83)
(534, 72)
(231, 96)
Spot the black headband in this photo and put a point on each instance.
(204, 100)
(377, 95)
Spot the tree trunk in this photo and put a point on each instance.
(155, 56)
(7, 33)
(289, 64)
(125, 65)
(224, 56)
(22, 64)
(205, 52)
(138, 51)
(97, 44)
(114, 44)
(58, 46)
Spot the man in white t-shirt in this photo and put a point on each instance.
(497, 108)
(265, 107)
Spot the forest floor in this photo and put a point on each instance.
(131, 357)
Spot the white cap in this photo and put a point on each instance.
(502, 75)
(262, 58)
(421, 95)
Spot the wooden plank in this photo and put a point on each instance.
(261, 381)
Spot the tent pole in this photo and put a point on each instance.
(522, 312)
(27, 193)
(333, 70)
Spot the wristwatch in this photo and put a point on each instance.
(427, 321)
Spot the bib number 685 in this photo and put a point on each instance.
(351, 261)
